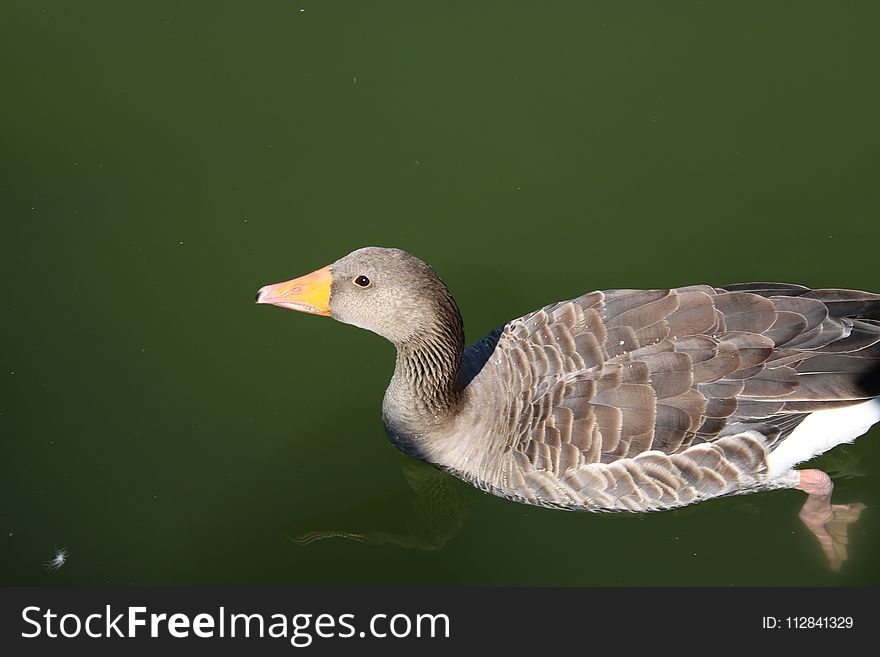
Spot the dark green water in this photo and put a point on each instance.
(161, 161)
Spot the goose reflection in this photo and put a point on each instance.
(438, 507)
(433, 513)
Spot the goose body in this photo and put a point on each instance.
(622, 400)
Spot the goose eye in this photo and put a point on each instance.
(362, 281)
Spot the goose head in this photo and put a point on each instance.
(387, 291)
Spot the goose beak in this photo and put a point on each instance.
(308, 294)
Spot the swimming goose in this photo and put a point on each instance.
(622, 400)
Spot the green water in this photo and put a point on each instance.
(161, 161)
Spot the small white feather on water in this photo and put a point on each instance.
(57, 561)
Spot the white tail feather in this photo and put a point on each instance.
(821, 431)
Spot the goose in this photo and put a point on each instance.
(617, 400)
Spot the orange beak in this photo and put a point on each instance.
(308, 294)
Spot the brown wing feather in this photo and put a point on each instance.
(610, 376)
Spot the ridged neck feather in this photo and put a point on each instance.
(425, 387)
